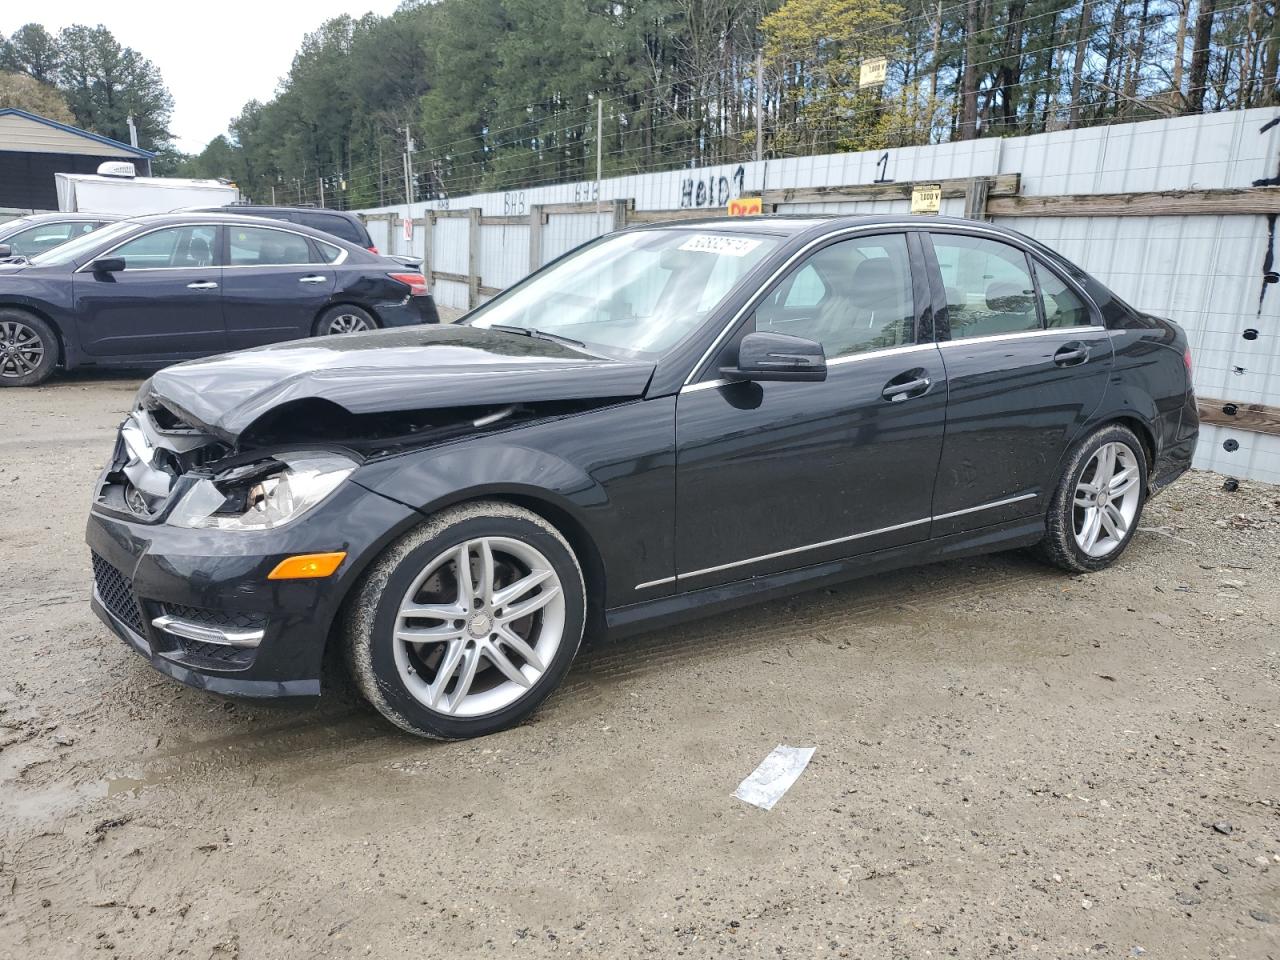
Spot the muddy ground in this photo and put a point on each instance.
(1010, 762)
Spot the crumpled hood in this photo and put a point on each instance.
(417, 368)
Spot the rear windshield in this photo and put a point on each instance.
(340, 227)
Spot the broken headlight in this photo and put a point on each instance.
(262, 495)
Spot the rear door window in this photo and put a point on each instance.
(989, 286)
(1062, 306)
(261, 247)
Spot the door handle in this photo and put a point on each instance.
(896, 392)
(202, 285)
(312, 279)
(1071, 354)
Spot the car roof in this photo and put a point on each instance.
(250, 208)
(791, 225)
(63, 217)
(177, 218)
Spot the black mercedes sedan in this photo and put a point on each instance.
(668, 421)
(156, 289)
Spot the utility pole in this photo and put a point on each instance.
(273, 194)
(759, 105)
(599, 147)
(320, 182)
(133, 132)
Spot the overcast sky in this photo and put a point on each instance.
(213, 62)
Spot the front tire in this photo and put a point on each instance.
(28, 349)
(344, 318)
(467, 623)
(1098, 502)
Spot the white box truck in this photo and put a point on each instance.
(115, 189)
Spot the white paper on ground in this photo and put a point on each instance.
(774, 777)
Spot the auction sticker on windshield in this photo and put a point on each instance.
(726, 246)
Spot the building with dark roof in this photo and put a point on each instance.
(34, 148)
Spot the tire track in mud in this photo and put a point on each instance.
(349, 732)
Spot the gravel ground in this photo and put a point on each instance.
(1010, 762)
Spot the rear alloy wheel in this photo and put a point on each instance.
(344, 319)
(1097, 504)
(28, 349)
(467, 623)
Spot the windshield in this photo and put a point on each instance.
(10, 227)
(73, 250)
(638, 292)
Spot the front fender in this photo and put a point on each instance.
(609, 472)
(430, 480)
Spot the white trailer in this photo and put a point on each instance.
(111, 191)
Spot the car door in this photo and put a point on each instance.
(274, 285)
(1027, 362)
(775, 475)
(165, 305)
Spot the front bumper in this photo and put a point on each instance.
(147, 571)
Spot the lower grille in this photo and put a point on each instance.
(215, 653)
(116, 593)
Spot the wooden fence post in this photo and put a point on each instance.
(975, 199)
(473, 257)
(428, 225)
(619, 214)
(535, 237)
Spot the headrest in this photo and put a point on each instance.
(875, 285)
(1005, 297)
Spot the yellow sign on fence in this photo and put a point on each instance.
(926, 198)
(746, 207)
(872, 72)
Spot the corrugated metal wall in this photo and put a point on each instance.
(1205, 272)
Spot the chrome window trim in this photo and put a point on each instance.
(829, 543)
(835, 362)
(229, 266)
(923, 227)
(996, 337)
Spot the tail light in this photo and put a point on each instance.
(416, 283)
(373, 249)
(1186, 360)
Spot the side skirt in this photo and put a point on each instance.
(663, 611)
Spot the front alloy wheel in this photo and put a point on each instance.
(28, 349)
(467, 623)
(478, 626)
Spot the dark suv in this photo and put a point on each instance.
(339, 223)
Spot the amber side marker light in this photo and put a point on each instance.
(307, 566)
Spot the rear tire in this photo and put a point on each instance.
(28, 349)
(344, 318)
(448, 654)
(1098, 502)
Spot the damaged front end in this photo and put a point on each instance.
(166, 470)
